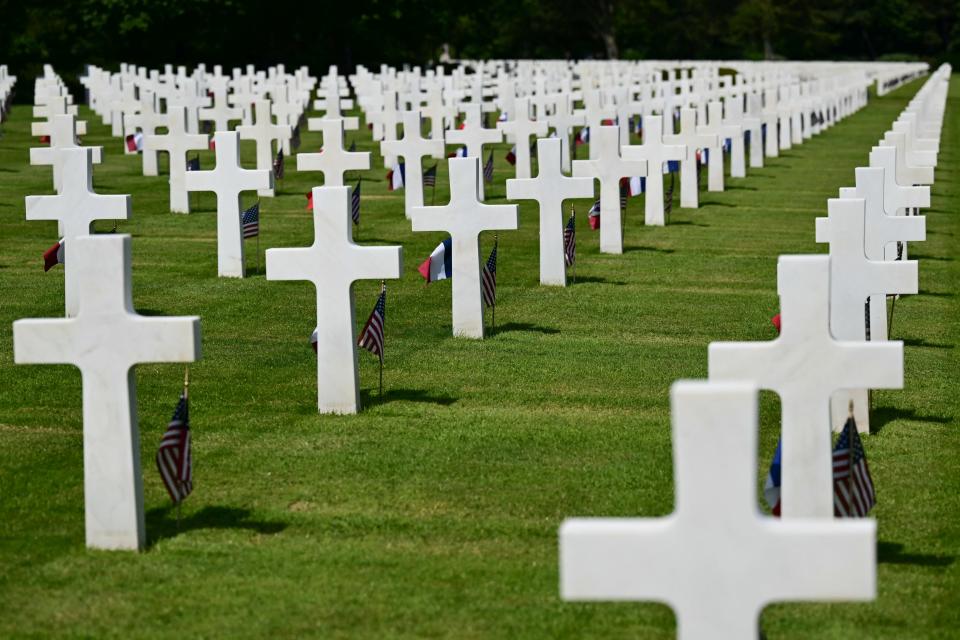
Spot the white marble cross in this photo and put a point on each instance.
(854, 278)
(464, 218)
(689, 136)
(734, 130)
(75, 208)
(264, 132)
(563, 120)
(63, 135)
(474, 135)
(550, 188)
(715, 560)
(715, 127)
(413, 147)
(770, 115)
(55, 106)
(221, 113)
(148, 120)
(608, 168)
(228, 180)
(520, 127)
(805, 365)
(332, 160)
(105, 341)
(655, 153)
(898, 197)
(883, 228)
(333, 263)
(752, 123)
(177, 143)
(907, 173)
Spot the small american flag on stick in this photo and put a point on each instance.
(371, 338)
(250, 221)
(174, 459)
(278, 166)
(570, 240)
(430, 177)
(488, 169)
(853, 493)
(489, 278)
(355, 203)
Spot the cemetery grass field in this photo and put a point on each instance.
(434, 512)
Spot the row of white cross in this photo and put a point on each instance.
(600, 560)
(715, 560)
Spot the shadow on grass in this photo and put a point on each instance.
(524, 327)
(595, 280)
(650, 249)
(162, 522)
(917, 256)
(937, 294)
(687, 223)
(882, 416)
(892, 553)
(920, 342)
(148, 312)
(716, 203)
(370, 398)
(741, 187)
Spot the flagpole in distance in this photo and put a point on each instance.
(258, 236)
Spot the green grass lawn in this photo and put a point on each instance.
(434, 512)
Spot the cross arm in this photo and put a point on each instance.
(168, 339)
(291, 264)
(43, 341)
(377, 262)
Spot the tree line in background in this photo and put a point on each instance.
(70, 33)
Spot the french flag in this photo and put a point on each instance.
(439, 266)
(635, 185)
(396, 176)
(512, 155)
(134, 142)
(771, 490)
(53, 256)
(461, 152)
(310, 200)
(584, 136)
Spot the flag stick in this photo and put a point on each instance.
(186, 395)
(893, 305)
(850, 453)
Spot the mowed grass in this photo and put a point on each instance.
(434, 512)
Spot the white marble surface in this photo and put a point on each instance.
(105, 341)
(715, 560)
(333, 263)
(333, 161)
(228, 180)
(464, 217)
(474, 136)
(693, 140)
(519, 128)
(177, 143)
(805, 365)
(264, 133)
(413, 147)
(655, 153)
(608, 168)
(75, 208)
(550, 188)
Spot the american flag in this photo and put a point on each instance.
(488, 168)
(355, 203)
(624, 192)
(570, 240)
(250, 221)
(193, 164)
(174, 460)
(430, 177)
(371, 338)
(489, 280)
(278, 165)
(853, 494)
